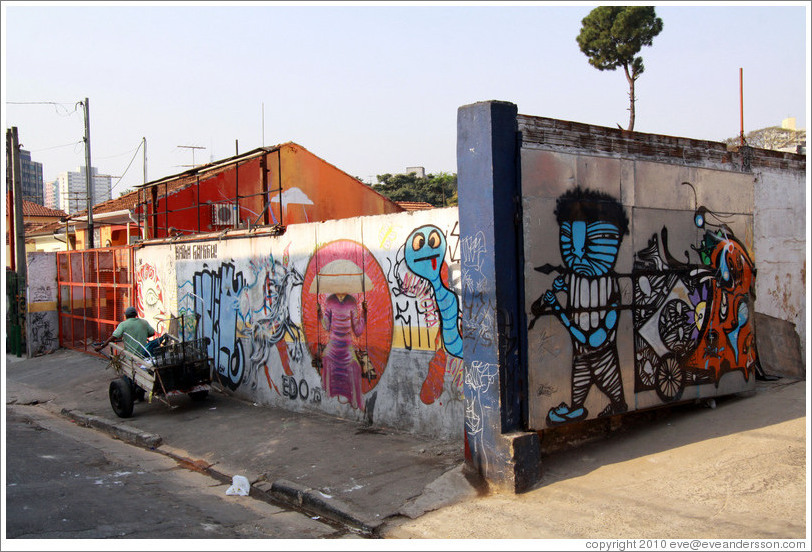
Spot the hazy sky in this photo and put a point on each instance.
(371, 88)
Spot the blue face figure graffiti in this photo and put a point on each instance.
(592, 225)
(425, 252)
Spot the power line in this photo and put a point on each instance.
(121, 154)
(57, 105)
(125, 170)
(62, 146)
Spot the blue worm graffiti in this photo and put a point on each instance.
(425, 251)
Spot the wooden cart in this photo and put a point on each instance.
(176, 367)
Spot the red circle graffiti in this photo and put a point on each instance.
(376, 340)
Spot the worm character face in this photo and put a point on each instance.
(425, 250)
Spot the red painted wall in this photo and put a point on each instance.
(311, 190)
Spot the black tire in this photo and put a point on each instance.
(198, 396)
(121, 397)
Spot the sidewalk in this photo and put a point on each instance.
(344, 471)
(735, 468)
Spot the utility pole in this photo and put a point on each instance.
(18, 235)
(17, 190)
(16, 320)
(89, 177)
(145, 158)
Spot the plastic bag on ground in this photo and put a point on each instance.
(239, 486)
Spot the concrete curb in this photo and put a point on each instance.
(308, 500)
(312, 500)
(123, 432)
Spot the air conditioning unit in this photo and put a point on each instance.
(224, 214)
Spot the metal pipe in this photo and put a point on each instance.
(741, 106)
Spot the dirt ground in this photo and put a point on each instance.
(733, 469)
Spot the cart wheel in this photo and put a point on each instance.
(198, 396)
(121, 397)
(670, 379)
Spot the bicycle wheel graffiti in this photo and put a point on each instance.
(692, 321)
(347, 319)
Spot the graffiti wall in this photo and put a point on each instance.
(639, 284)
(42, 317)
(357, 318)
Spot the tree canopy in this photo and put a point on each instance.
(772, 138)
(612, 36)
(440, 190)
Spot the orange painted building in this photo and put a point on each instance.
(271, 186)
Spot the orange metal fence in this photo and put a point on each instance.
(95, 286)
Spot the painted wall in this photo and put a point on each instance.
(639, 281)
(356, 318)
(42, 319)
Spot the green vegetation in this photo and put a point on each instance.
(440, 190)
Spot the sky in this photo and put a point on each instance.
(371, 88)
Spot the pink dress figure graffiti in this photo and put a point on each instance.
(341, 372)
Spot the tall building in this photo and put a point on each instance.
(72, 189)
(52, 194)
(31, 178)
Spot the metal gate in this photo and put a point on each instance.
(95, 286)
(15, 313)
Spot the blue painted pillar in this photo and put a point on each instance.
(493, 318)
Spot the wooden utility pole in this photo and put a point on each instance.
(17, 191)
(88, 176)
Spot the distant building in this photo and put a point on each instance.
(31, 178)
(51, 190)
(786, 138)
(798, 139)
(420, 172)
(72, 189)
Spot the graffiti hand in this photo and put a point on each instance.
(559, 284)
(550, 299)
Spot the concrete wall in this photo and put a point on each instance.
(42, 318)
(639, 279)
(780, 245)
(287, 323)
(636, 256)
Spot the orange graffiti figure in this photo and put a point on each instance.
(726, 339)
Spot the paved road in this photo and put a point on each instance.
(68, 482)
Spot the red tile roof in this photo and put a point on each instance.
(415, 205)
(31, 209)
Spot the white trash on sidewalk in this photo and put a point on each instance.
(239, 486)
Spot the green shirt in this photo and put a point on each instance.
(135, 332)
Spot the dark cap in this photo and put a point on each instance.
(130, 312)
